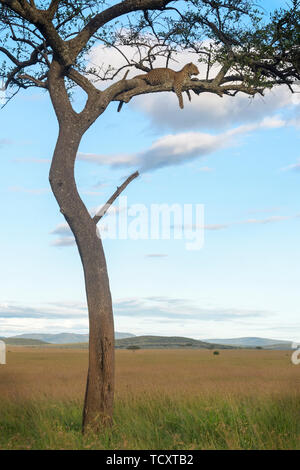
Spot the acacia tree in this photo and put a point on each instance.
(46, 44)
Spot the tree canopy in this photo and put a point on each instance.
(243, 50)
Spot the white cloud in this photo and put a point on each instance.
(62, 229)
(266, 220)
(64, 241)
(160, 315)
(65, 237)
(48, 310)
(156, 255)
(167, 150)
(210, 111)
(180, 309)
(272, 122)
(293, 166)
(174, 149)
(197, 319)
(215, 226)
(274, 218)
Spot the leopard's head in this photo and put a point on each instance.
(192, 69)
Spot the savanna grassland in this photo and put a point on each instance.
(165, 399)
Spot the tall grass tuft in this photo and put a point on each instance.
(156, 422)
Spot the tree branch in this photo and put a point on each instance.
(36, 81)
(13, 5)
(135, 87)
(9, 55)
(120, 9)
(221, 74)
(119, 190)
(81, 81)
(58, 93)
(42, 20)
(53, 8)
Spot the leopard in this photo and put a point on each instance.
(164, 75)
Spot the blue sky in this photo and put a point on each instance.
(238, 157)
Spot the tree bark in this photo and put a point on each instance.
(98, 403)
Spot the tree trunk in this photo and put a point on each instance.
(98, 404)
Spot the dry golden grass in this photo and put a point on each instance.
(192, 372)
(61, 373)
(165, 399)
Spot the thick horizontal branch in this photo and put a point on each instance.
(137, 87)
(110, 201)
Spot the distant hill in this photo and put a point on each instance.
(62, 338)
(281, 346)
(166, 342)
(143, 342)
(253, 342)
(14, 341)
(123, 335)
(125, 340)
